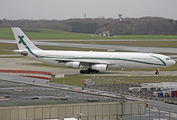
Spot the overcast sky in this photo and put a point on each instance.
(65, 9)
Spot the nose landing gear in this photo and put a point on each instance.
(157, 72)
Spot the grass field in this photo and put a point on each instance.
(78, 80)
(6, 33)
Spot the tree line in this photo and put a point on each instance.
(128, 26)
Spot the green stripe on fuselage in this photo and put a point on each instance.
(164, 64)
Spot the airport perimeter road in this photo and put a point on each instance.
(108, 47)
(28, 64)
(156, 107)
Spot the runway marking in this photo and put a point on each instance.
(15, 69)
(172, 115)
(155, 108)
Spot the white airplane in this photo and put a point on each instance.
(93, 62)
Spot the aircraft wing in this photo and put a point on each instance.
(82, 61)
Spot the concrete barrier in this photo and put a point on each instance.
(59, 76)
(25, 73)
(33, 81)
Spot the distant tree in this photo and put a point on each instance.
(48, 24)
(100, 30)
(175, 27)
(129, 26)
(83, 27)
(121, 28)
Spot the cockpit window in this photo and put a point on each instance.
(168, 58)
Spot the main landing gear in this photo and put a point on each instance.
(157, 72)
(88, 71)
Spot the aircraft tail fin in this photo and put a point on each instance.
(23, 42)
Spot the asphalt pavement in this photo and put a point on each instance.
(29, 64)
(98, 46)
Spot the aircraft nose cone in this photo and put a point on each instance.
(172, 62)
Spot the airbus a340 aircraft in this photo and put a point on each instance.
(93, 62)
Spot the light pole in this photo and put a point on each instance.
(123, 99)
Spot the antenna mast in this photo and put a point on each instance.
(120, 17)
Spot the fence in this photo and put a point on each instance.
(156, 114)
(89, 111)
(130, 80)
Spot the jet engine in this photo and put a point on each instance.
(100, 67)
(72, 64)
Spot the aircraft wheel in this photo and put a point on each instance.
(96, 71)
(82, 71)
(87, 71)
(92, 71)
(157, 72)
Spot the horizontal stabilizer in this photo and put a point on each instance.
(22, 52)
